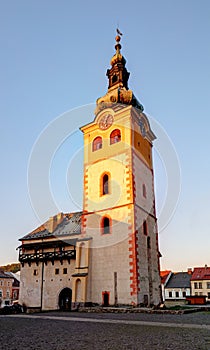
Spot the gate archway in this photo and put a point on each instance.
(65, 298)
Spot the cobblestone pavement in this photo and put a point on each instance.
(32, 333)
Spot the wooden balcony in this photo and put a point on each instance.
(47, 256)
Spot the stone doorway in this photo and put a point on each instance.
(65, 298)
(105, 296)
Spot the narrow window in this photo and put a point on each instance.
(177, 294)
(115, 136)
(56, 271)
(35, 272)
(1, 294)
(148, 242)
(78, 292)
(184, 294)
(145, 228)
(105, 184)
(105, 298)
(208, 285)
(200, 285)
(105, 225)
(97, 144)
(144, 191)
(170, 294)
(208, 295)
(65, 270)
(195, 285)
(8, 295)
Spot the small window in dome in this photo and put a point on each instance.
(114, 79)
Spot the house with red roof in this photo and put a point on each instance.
(164, 276)
(200, 282)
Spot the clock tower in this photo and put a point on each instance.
(119, 218)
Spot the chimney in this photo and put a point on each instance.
(206, 266)
(52, 223)
(189, 271)
(59, 218)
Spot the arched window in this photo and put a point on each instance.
(78, 292)
(105, 225)
(115, 136)
(105, 298)
(145, 228)
(97, 143)
(144, 191)
(105, 184)
(114, 79)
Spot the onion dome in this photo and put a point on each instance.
(118, 74)
(118, 57)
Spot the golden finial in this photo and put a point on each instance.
(118, 37)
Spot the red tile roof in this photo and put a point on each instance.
(201, 273)
(164, 275)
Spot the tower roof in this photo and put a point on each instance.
(118, 91)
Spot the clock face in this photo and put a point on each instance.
(106, 121)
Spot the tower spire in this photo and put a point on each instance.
(118, 91)
(118, 74)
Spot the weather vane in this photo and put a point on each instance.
(119, 32)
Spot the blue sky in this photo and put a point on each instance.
(54, 56)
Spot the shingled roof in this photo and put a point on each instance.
(4, 275)
(179, 280)
(58, 225)
(201, 273)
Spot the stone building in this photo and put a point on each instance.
(108, 253)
